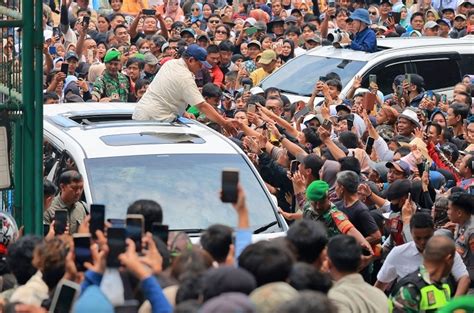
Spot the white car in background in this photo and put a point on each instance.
(177, 164)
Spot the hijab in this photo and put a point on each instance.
(200, 17)
(292, 53)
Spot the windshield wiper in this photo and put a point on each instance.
(264, 228)
(188, 230)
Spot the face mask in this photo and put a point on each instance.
(144, 50)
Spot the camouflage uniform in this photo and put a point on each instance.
(464, 237)
(335, 221)
(107, 86)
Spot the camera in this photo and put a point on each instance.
(337, 36)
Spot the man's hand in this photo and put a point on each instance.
(331, 11)
(131, 262)
(99, 252)
(357, 83)
(364, 192)
(324, 134)
(299, 182)
(231, 126)
(151, 256)
(272, 127)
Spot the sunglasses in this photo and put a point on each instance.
(214, 21)
(221, 32)
(195, 9)
(372, 13)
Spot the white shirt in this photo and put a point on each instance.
(168, 95)
(405, 259)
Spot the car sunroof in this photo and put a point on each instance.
(151, 138)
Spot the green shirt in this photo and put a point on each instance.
(107, 86)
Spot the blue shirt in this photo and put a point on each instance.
(364, 41)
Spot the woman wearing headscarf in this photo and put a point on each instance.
(374, 13)
(196, 12)
(404, 16)
(287, 51)
(173, 10)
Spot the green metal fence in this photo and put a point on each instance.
(21, 108)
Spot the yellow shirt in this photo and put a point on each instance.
(258, 75)
(133, 7)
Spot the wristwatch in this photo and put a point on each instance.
(281, 138)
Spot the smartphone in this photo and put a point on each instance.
(64, 296)
(251, 30)
(60, 221)
(230, 179)
(332, 3)
(396, 17)
(430, 94)
(252, 108)
(323, 78)
(247, 87)
(45, 229)
(369, 145)
(86, 20)
(97, 219)
(294, 166)
(116, 222)
(327, 124)
(129, 306)
(116, 241)
(390, 14)
(301, 113)
(65, 68)
(161, 231)
(52, 50)
(56, 32)
(350, 122)
(400, 92)
(471, 190)
(444, 98)
(82, 250)
(427, 166)
(408, 78)
(149, 12)
(372, 79)
(135, 229)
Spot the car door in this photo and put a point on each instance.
(386, 72)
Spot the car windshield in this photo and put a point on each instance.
(301, 74)
(186, 186)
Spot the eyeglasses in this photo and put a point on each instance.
(214, 21)
(221, 32)
(372, 13)
(195, 9)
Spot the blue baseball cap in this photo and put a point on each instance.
(198, 53)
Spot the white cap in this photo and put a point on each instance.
(430, 24)
(311, 117)
(411, 116)
(251, 21)
(48, 34)
(256, 90)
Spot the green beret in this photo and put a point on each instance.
(112, 55)
(317, 190)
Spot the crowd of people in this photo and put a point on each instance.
(378, 190)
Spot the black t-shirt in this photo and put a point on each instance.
(359, 216)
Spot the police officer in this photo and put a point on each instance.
(426, 290)
(460, 211)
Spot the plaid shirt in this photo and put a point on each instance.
(107, 86)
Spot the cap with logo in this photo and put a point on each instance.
(71, 55)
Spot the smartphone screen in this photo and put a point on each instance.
(444, 98)
(148, 12)
(408, 78)
(230, 179)
(135, 229)
(369, 145)
(471, 190)
(60, 221)
(247, 87)
(116, 222)
(294, 166)
(332, 3)
(65, 68)
(372, 78)
(251, 30)
(64, 297)
(116, 241)
(82, 251)
(55, 31)
(252, 108)
(86, 20)
(160, 231)
(45, 229)
(52, 50)
(350, 122)
(97, 219)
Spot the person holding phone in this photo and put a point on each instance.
(71, 186)
(364, 39)
(112, 85)
(174, 88)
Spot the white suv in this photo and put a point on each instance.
(178, 165)
(441, 62)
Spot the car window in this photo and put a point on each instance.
(386, 75)
(467, 64)
(186, 186)
(301, 74)
(438, 74)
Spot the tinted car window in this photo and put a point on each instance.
(301, 74)
(386, 75)
(467, 64)
(186, 186)
(438, 74)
